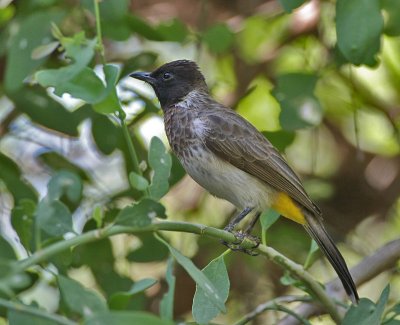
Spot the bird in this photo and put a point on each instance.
(232, 160)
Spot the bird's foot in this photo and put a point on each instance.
(240, 237)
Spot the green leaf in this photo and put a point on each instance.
(289, 5)
(167, 301)
(126, 318)
(11, 176)
(311, 257)
(300, 107)
(65, 182)
(359, 24)
(268, 218)
(79, 299)
(102, 268)
(144, 29)
(219, 38)
(7, 253)
(173, 31)
(138, 182)
(98, 216)
(86, 85)
(80, 51)
(22, 221)
(106, 135)
(33, 31)
(120, 300)
(44, 50)
(280, 139)
(151, 250)
(108, 102)
(160, 161)
(202, 281)
(53, 217)
(392, 8)
(21, 318)
(203, 309)
(141, 213)
(36, 103)
(366, 312)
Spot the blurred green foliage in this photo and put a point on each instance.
(321, 79)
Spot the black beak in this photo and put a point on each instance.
(145, 76)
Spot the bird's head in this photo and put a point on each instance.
(173, 81)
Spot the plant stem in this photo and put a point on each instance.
(98, 31)
(131, 149)
(160, 225)
(21, 308)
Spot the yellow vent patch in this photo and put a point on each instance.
(287, 208)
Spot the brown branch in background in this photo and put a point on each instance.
(371, 266)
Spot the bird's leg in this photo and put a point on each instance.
(236, 219)
(241, 235)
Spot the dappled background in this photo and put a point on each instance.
(336, 123)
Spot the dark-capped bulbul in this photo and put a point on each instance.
(232, 160)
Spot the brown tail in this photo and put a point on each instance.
(317, 231)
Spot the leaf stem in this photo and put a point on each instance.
(98, 31)
(21, 308)
(180, 226)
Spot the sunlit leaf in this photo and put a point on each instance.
(359, 24)
(203, 309)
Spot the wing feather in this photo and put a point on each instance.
(242, 145)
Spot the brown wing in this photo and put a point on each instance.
(235, 140)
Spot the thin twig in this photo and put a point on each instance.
(158, 225)
(273, 304)
(383, 259)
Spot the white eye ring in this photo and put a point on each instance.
(167, 76)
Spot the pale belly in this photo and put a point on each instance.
(228, 182)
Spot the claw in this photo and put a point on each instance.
(241, 236)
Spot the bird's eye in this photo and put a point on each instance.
(167, 76)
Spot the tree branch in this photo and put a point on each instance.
(383, 259)
(159, 225)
